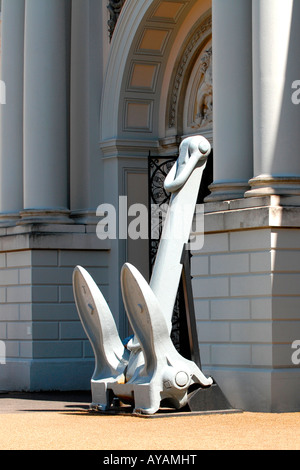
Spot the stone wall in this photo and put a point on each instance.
(46, 347)
(245, 282)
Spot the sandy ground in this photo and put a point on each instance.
(69, 425)
(80, 431)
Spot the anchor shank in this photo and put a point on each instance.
(167, 267)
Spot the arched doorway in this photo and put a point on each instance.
(158, 89)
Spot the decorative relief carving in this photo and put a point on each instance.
(203, 107)
(114, 7)
(203, 32)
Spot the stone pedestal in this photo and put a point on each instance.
(46, 347)
(247, 302)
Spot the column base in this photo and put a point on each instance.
(225, 191)
(265, 185)
(42, 216)
(85, 217)
(9, 219)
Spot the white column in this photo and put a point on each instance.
(232, 89)
(45, 109)
(276, 39)
(11, 113)
(79, 128)
(88, 43)
(86, 87)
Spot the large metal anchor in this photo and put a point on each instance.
(149, 369)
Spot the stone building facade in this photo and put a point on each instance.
(91, 88)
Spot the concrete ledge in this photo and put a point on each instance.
(51, 236)
(239, 214)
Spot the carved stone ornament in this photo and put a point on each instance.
(114, 7)
(203, 106)
(201, 35)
